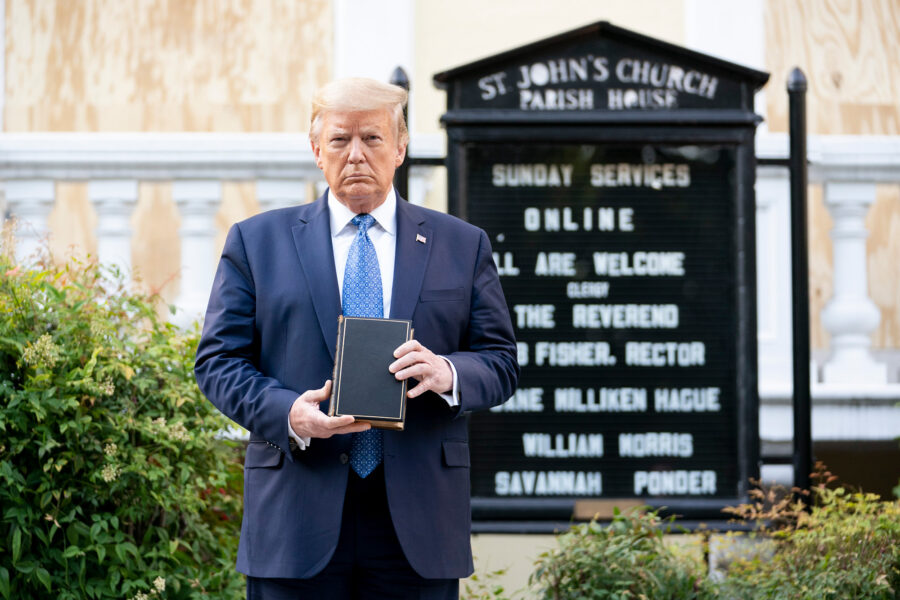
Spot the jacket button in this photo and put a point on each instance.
(344, 458)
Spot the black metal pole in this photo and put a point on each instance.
(401, 176)
(796, 88)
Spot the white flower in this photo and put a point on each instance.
(107, 387)
(159, 584)
(179, 432)
(110, 449)
(43, 352)
(110, 473)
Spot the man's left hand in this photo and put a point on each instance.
(416, 361)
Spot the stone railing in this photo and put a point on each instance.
(848, 169)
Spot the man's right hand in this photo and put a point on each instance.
(308, 421)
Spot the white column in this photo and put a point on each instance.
(30, 201)
(733, 31)
(114, 201)
(850, 315)
(197, 202)
(354, 53)
(280, 193)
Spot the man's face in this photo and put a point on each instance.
(358, 152)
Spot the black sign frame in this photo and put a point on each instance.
(732, 126)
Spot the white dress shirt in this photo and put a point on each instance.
(383, 234)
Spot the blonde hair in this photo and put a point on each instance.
(359, 94)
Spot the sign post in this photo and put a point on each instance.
(614, 175)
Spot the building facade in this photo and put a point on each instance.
(139, 131)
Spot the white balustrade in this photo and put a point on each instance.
(114, 201)
(849, 167)
(197, 201)
(850, 316)
(30, 201)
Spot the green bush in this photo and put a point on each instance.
(483, 586)
(843, 546)
(115, 482)
(847, 545)
(626, 559)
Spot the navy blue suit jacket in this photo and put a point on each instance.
(269, 335)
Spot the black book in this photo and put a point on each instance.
(362, 386)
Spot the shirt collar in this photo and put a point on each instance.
(385, 215)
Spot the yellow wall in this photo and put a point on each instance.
(850, 53)
(158, 65)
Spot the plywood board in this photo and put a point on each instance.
(156, 244)
(238, 203)
(72, 222)
(849, 52)
(821, 265)
(155, 65)
(883, 249)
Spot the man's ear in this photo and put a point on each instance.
(316, 154)
(401, 154)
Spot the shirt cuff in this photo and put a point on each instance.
(452, 398)
(302, 442)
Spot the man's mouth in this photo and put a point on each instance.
(357, 177)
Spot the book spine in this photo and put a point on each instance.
(332, 402)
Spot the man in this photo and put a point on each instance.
(332, 509)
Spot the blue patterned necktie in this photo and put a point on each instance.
(361, 297)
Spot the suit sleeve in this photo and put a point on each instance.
(487, 368)
(227, 355)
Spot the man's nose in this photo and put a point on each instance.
(357, 155)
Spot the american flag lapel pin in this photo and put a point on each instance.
(420, 238)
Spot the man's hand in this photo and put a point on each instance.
(416, 361)
(308, 421)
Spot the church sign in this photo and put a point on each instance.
(614, 176)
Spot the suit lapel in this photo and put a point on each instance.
(414, 241)
(312, 238)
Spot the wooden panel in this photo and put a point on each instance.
(72, 222)
(883, 248)
(157, 65)
(821, 265)
(586, 510)
(849, 51)
(238, 203)
(156, 245)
